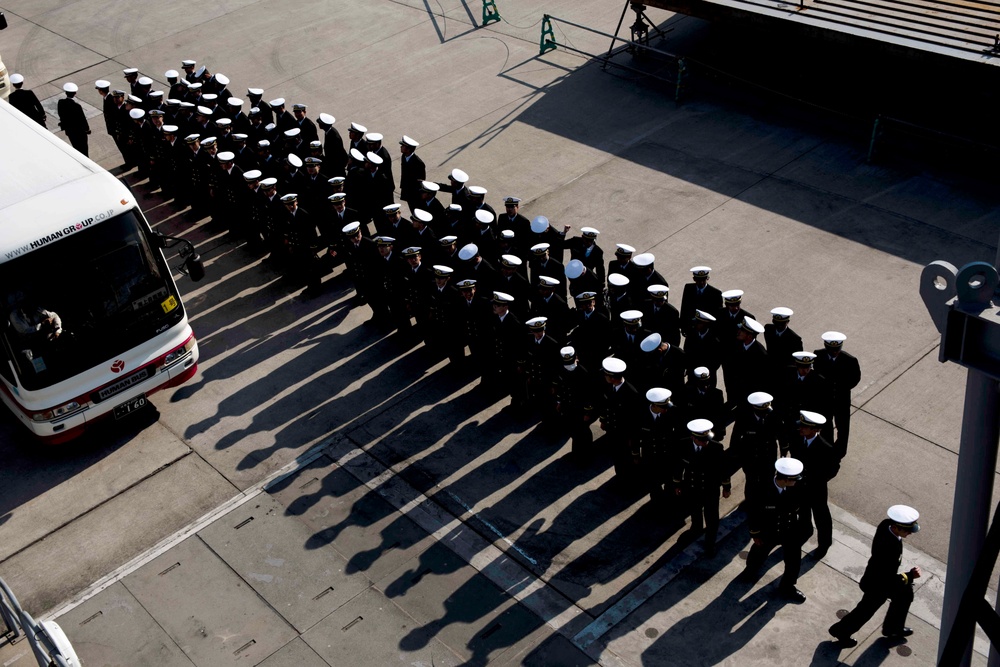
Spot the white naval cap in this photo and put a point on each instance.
(171, 74)
(289, 198)
(70, 87)
(701, 428)
(430, 186)
(145, 81)
(624, 249)
(613, 366)
(391, 208)
(810, 418)
(222, 78)
(904, 517)
(659, 395)
(507, 234)
(477, 191)
(224, 122)
(833, 338)
(537, 323)
(701, 271)
(574, 268)
(226, 156)
(100, 83)
(130, 70)
(16, 78)
(338, 180)
(169, 129)
(732, 296)
(617, 279)
(293, 132)
(760, 399)
(136, 114)
(781, 314)
(751, 325)
(510, 261)
(294, 160)
(189, 63)
(423, 215)
(211, 97)
(484, 217)
(256, 92)
(645, 259)
(374, 158)
(658, 290)
(459, 176)
(234, 102)
(442, 271)
(357, 155)
(351, 228)
(789, 468)
(252, 175)
(277, 102)
(454, 207)
(204, 111)
(567, 353)
(703, 316)
(407, 141)
(540, 248)
(338, 197)
(630, 316)
(589, 232)
(502, 297)
(374, 137)
(651, 342)
(447, 240)
(702, 373)
(269, 182)
(359, 128)
(539, 224)
(804, 358)
(547, 281)
(201, 70)
(327, 119)
(468, 251)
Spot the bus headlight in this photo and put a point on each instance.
(55, 413)
(173, 357)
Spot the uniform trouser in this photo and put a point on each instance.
(758, 474)
(791, 552)
(79, 141)
(655, 472)
(842, 422)
(581, 437)
(703, 507)
(621, 453)
(900, 595)
(820, 508)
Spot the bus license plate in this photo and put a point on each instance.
(130, 406)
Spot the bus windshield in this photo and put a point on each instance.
(84, 299)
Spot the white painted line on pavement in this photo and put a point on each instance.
(493, 529)
(171, 541)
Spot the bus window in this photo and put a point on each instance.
(85, 298)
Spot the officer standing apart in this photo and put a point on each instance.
(72, 119)
(778, 517)
(882, 580)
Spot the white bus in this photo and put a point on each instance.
(92, 320)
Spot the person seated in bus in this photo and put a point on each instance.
(36, 326)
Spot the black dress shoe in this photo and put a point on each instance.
(845, 640)
(893, 634)
(819, 552)
(793, 594)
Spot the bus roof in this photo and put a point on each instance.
(47, 188)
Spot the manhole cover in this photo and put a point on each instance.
(904, 650)
(652, 633)
(744, 554)
(841, 613)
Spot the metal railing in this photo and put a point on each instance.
(18, 622)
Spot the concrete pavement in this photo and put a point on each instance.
(777, 202)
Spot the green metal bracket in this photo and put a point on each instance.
(490, 12)
(548, 41)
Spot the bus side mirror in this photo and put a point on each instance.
(194, 267)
